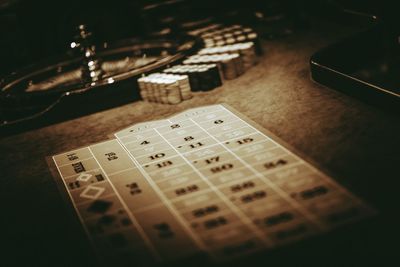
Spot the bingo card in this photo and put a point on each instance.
(207, 182)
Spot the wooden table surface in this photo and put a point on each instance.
(357, 142)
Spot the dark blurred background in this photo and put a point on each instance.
(32, 31)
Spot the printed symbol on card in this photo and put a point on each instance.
(99, 206)
(74, 185)
(164, 230)
(188, 138)
(92, 192)
(78, 167)
(134, 188)
(84, 177)
(174, 126)
(72, 156)
(111, 156)
(145, 142)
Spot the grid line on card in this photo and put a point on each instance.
(272, 158)
(121, 171)
(72, 161)
(129, 134)
(231, 171)
(184, 113)
(72, 175)
(204, 147)
(239, 213)
(167, 202)
(103, 196)
(149, 207)
(75, 207)
(305, 213)
(233, 182)
(196, 165)
(327, 179)
(222, 117)
(146, 155)
(192, 195)
(131, 216)
(130, 142)
(177, 175)
(169, 120)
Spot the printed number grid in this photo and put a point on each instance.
(203, 182)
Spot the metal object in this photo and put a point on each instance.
(105, 76)
(64, 88)
(91, 70)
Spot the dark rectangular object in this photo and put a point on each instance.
(365, 66)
